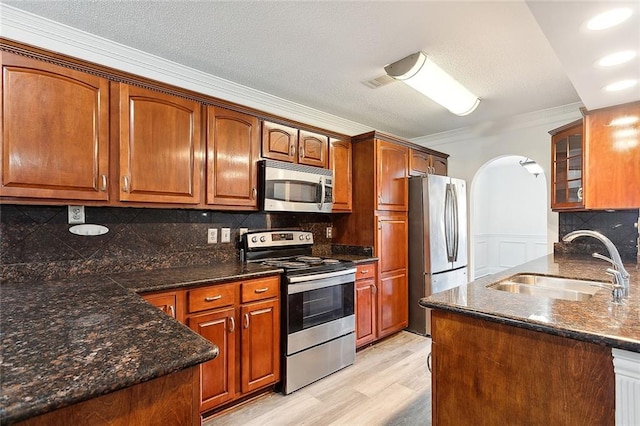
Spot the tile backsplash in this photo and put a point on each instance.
(35, 242)
(619, 226)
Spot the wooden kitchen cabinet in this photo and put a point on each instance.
(242, 318)
(423, 163)
(341, 165)
(596, 160)
(366, 304)
(393, 290)
(55, 131)
(233, 151)
(392, 188)
(285, 143)
(159, 146)
(485, 372)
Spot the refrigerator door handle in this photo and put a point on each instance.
(456, 230)
(448, 212)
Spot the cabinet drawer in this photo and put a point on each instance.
(258, 289)
(365, 271)
(216, 296)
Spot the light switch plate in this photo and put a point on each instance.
(76, 215)
(225, 235)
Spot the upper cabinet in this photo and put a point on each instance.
(391, 177)
(233, 150)
(284, 143)
(596, 161)
(55, 131)
(422, 163)
(160, 147)
(341, 163)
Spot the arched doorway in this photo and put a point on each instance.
(508, 220)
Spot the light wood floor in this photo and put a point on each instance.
(389, 384)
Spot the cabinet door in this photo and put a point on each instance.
(260, 344)
(233, 149)
(392, 185)
(279, 142)
(167, 302)
(612, 163)
(365, 311)
(419, 163)
(439, 165)
(313, 149)
(217, 377)
(55, 133)
(341, 160)
(393, 291)
(160, 147)
(567, 162)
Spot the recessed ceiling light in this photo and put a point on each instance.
(620, 85)
(616, 58)
(609, 19)
(624, 121)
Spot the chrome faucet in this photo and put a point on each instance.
(620, 275)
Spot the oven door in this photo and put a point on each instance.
(319, 308)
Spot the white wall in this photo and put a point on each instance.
(510, 216)
(526, 135)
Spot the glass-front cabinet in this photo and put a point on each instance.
(567, 158)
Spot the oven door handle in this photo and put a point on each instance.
(319, 281)
(313, 277)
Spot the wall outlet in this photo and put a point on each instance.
(241, 232)
(329, 231)
(225, 235)
(212, 236)
(76, 215)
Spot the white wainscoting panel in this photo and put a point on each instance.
(627, 368)
(496, 252)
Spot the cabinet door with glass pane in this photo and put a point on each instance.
(567, 160)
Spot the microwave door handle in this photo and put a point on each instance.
(322, 194)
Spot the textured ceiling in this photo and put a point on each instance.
(318, 53)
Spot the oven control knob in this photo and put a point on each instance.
(308, 237)
(301, 237)
(254, 239)
(263, 239)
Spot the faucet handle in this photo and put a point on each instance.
(599, 256)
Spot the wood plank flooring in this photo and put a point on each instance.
(389, 384)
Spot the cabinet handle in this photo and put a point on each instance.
(364, 271)
(212, 298)
(172, 310)
(233, 325)
(301, 150)
(579, 194)
(429, 362)
(246, 320)
(292, 150)
(261, 290)
(254, 193)
(125, 183)
(374, 289)
(104, 183)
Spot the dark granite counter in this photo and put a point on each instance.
(596, 320)
(70, 340)
(172, 278)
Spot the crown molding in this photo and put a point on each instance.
(551, 117)
(34, 30)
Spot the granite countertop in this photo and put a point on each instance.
(67, 341)
(173, 278)
(596, 320)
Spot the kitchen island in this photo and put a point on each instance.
(506, 357)
(70, 342)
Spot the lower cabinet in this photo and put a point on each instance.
(366, 304)
(243, 319)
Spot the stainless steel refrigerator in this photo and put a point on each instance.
(437, 242)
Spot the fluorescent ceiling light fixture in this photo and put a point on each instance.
(609, 19)
(419, 72)
(531, 166)
(621, 85)
(624, 121)
(616, 58)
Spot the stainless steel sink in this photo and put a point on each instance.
(551, 287)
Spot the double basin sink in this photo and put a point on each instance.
(551, 287)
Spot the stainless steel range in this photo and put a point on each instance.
(318, 321)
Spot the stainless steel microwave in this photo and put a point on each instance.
(288, 187)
